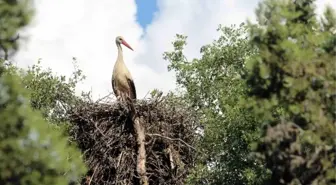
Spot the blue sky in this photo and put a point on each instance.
(145, 11)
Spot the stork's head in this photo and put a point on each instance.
(121, 40)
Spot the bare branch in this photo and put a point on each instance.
(172, 139)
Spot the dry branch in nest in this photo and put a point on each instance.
(105, 134)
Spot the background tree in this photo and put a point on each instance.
(213, 85)
(52, 94)
(31, 150)
(292, 89)
(14, 15)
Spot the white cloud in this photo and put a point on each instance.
(83, 29)
(86, 30)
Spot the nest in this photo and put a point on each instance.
(105, 134)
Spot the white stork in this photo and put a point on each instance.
(122, 82)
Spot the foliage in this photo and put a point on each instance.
(292, 89)
(50, 93)
(214, 85)
(14, 15)
(31, 152)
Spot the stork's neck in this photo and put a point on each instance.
(120, 54)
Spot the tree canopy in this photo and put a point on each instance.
(292, 91)
(266, 93)
(31, 150)
(213, 86)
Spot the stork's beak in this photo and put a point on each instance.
(127, 45)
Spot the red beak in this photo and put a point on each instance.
(127, 45)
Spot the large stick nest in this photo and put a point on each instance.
(105, 134)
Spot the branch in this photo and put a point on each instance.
(94, 171)
(141, 159)
(10, 40)
(173, 139)
(100, 99)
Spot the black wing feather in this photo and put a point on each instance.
(132, 88)
(114, 87)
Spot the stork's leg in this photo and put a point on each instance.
(119, 95)
(124, 97)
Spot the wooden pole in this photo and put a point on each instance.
(141, 159)
(139, 129)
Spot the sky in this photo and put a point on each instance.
(145, 11)
(86, 30)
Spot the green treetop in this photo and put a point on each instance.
(292, 88)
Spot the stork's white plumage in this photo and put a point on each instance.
(122, 81)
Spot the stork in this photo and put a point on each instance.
(122, 81)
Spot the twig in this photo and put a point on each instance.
(94, 171)
(173, 139)
(170, 152)
(103, 97)
(120, 156)
(95, 124)
(146, 94)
